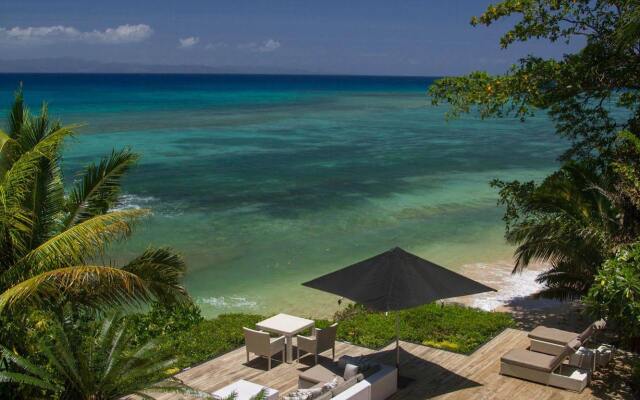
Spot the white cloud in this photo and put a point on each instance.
(59, 33)
(269, 45)
(122, 34)
(188, 42)
(264, 47)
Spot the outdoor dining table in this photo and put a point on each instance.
(288, 326)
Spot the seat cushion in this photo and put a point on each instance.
(317, 374)
(530, 359)
(552, 335)
(344, 386)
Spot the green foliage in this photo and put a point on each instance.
(99, 188)
(627, 167)
(569, 221)
(450, 327)
(101, 363)
(165, 320)
(577, 90)
(616, 292)
(207, 339)
(49, 240)
(581, 215)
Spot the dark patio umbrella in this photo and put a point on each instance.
(396, 280)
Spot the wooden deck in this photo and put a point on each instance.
(438, 374)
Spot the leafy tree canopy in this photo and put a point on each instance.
(591, 95)
(581, 215)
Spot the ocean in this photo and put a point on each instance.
(263, 182)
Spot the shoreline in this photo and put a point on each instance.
(513, 290)
(514, 294)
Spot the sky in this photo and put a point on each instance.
(364, 37)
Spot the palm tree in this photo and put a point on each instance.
(571, 220)
(103, 365)
(50, 238)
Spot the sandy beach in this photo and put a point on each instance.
(516, 294)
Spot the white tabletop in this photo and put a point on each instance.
(285, 324)
(244, 390)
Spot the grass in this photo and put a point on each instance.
(450, 327)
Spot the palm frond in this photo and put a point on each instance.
(570, 220)
(78, 243)
(25, 379)
(37, 128)
(23, 363)
(36, 375)
(15, 219)
(99, 188)
(115, 340)
(107, 365)
(163, 270)
(552, 239)
(94, 286)
(9, 152)
(18, 114)
(17, 182)
(66, 361)
(46, 201)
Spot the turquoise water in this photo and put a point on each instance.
(263, 182)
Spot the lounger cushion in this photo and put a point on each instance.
(529, 359)
(552, 335)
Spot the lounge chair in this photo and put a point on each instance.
(553, 341)
(544, 368)
(322, 340)
(261, 344)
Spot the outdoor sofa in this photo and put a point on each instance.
(373, 382)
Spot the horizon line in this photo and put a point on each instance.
(224, 73)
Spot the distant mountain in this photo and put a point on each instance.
(72, 65)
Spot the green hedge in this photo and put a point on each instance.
(450, 327)
(209, 338)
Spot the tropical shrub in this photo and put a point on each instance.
(101, 365)
(447, 326)
(208, 339)
(568, 221)
(165, 319)
(616, 294)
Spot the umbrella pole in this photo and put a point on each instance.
(398, 340)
